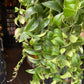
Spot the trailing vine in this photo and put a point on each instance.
(50, 30)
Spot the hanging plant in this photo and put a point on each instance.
(50, 30)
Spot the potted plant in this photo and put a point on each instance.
(50, 31)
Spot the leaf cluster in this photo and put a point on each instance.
(50, 30)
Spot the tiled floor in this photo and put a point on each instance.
(12, 55)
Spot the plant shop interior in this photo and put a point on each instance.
(13, 70)
(11, 52)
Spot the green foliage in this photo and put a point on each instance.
(50, 30)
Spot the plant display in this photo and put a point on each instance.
(50, 30)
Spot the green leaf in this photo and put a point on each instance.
(50, 34)
(48, 57)
(21, 19)
(22, 11)
(70, 1)
(29, 25)
(41, 76)
(36, 78)
(53, 66)
(42, 34)
(73, 38)
(44, 23)
(32, 1)
(57, 41)
(40, 73)
(55, 51)
(31, 52)
(26, 45)
(24, 36)
(74, 61)
(79, 17)
(16, 9)
(30, 11)
(39, 9)
(17, 33)
(54, 82)
(57, 20)
(66, 75)
(64, 35)
(60, 2)
(53, 5)
(57, 33)
(68, 12)
(67, 63)
(70, 53)
(32, 41)
(37, 47)
(82, 4)
(24, 2)
(34, 82)
(60, 58)
(16, 20)
(31, 71)
(62, 50)
(81, 49)
(57, 78)
(70, 6)
(35, 61)
(34, 26)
